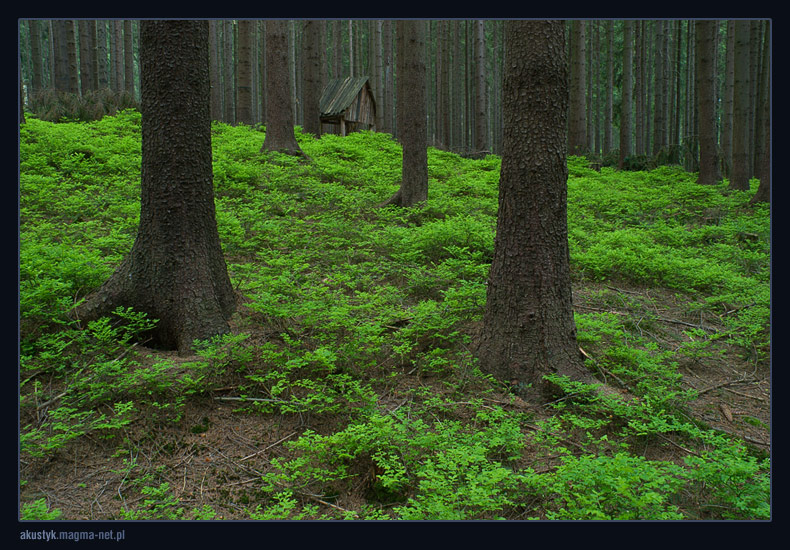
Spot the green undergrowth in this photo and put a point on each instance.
(365, 315)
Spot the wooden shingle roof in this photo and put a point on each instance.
(339, 94)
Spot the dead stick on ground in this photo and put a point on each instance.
(267, 448)
(723, 384)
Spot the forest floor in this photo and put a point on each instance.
(216, 455)
(347, 389)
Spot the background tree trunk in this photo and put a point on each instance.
(608, 143)
(739, 179)
(87, 45)
(577, 131)
(705, 75)
(411, 110)
(244, 73)
(175, 271)
(37, 80)
(279, 118)
(128, 56)
(102, 67)
(227, 72)
(216, 91)
(481, 118)
(118, 52)
(528, 326)
(625, 106)
(763, 193)
(312, 77)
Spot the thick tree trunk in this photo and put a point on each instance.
(175, 271)
(411, 114)
(528, 326)
(280, 117)
(708, 153)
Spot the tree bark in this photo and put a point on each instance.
(528, 327)
(608, 144)
(37, 78)
(411, 114)
(103, 79)
(312, 77)
(216, 91)
(481, 118)
(128, 56)
(763, 193)
(227, 72)
(739, 178)
(625, 106)
(244, 74)
(577, 131)
(87, 44)
(279, 118)
(175, 271)
(705, 75)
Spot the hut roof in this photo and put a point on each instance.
(339, 94)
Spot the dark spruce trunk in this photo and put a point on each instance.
(411, 110)
(175, 271)
(528, 327)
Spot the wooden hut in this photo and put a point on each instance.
(349, 104)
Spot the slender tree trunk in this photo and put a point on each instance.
(216, 91)
(119, 56)
(312, 77)
(244, 74)
(227, 66)
(528, 327)
(729, 80)
(175, 271)
(86, 45)
(128, 55)
(577, 138)
(280, 118)
(338, 49)
(101, 55)
(481, 120)
(625, 106)
(709, 161)
(37, 78)
(763, 193)
(739, 179)
(639, 89)
(659, 109)
(411, 111)
(754, 68)
(378, 90)
(608, 143)
(388, 111)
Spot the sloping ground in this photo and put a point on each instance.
(350, 347)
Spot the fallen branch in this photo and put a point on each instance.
(269, 447)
